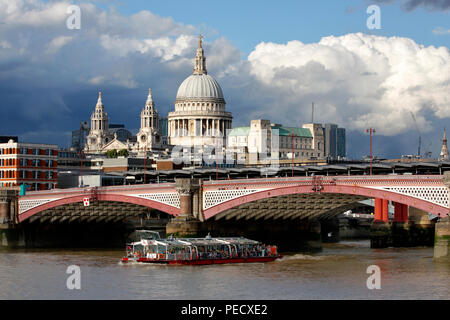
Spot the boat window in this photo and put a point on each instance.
(161, 249)
(152, 249)
(138, 248)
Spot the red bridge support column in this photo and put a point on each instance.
(398, 212)
(385, 210)
(401, 229)
(380, 230)
(378, 209)
(405, 213)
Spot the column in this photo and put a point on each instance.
(186, 224)
(398, 212)
(385, 210)
(401, 229)
(380, 229)
(378, 210)
(185, 203)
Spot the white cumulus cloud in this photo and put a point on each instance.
(356, 80)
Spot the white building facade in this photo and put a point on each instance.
(276, 141)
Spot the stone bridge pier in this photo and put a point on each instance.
(189, 222)
(442, 232)
(9, 233)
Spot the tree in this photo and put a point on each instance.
(123, 153)
(111, 153)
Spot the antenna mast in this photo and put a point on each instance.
(312, 113)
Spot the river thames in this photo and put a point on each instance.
(338, 272)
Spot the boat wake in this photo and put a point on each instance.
(300, 256)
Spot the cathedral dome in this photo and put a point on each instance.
(200, 87)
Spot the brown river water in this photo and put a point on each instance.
(338, 272)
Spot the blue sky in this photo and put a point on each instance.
(246, 23)
(272, 60)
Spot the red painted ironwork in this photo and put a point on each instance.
(101, 197)
(329, 188)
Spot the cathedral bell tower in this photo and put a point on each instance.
(99, 132)
(149, 137)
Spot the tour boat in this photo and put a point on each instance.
(197, 251)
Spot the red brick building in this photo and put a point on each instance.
(28, 163)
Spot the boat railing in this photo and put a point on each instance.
(179, 256)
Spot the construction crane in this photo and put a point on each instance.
(420, 135)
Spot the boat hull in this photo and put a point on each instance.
(205, 261)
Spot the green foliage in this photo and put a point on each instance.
(123, 153)
(111, 153)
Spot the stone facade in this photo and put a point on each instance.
(149, 137)
(99, 134)
(102, 138)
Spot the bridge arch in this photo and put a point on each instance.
(113, 197)
(355, 190)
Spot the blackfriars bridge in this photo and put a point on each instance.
(193, 202)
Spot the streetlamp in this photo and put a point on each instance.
(292, 135)
(370, 131)
(217, 157)
(81, 153)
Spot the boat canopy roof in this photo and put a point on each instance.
(208, 241)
